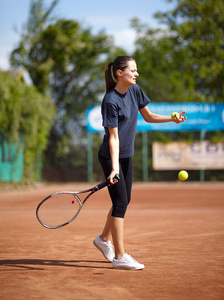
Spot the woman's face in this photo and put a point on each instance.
(130, 74)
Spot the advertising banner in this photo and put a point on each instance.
(190, 156)
(200, 116)
(203, 116)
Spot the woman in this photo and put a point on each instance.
(120, 106)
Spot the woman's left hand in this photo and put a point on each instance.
(180, 118)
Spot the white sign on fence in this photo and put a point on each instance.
(189, 156)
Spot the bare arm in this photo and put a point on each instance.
(150, 117)
(114, 152)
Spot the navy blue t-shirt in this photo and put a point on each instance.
(121, 110)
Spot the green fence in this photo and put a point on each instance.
(11, 160)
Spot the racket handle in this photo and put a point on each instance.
(105, 183)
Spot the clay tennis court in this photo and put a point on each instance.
(175, 229)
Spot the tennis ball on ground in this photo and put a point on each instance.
(183, 175)
(174, 114)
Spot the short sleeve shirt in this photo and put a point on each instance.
(121, 111)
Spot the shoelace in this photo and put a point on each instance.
(110, 246)
(130, 259)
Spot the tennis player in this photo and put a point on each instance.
(120, 106)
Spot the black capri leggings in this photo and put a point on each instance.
(120, 192)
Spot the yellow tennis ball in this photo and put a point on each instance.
(174, 114)
(183, 175)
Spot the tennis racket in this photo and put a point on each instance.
(61, 208)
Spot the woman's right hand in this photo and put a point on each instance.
(112, 175)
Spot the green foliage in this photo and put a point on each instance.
(159, 64)
(27, 113)
(67, 61)
(198, 31)
(185, 61)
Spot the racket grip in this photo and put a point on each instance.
(106, 183)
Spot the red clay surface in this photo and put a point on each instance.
(175, 229)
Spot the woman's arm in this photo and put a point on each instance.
(150, 117)
(114, 152)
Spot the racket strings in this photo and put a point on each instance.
(58, 209)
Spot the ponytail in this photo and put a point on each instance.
(110, 78)
(120, 63)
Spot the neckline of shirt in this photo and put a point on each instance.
(119, 94)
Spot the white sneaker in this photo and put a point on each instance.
(105, 247)
(126, 262)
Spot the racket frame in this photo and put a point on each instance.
(75, 194)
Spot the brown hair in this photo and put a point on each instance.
(120, 63)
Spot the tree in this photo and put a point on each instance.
(198, 28)
(192, 45)
(64, 60)
(159, 64)
(26, 114)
